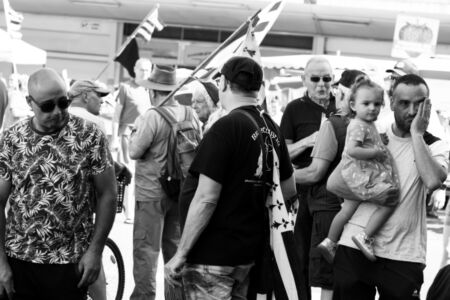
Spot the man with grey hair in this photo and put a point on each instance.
(51, 165)
(132, 101)
(86, 97)
(300, 124)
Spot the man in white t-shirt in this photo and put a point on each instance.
(400, 245)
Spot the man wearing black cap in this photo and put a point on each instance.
(156, 225)
(224, 229)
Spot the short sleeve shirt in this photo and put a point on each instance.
(135, 100)
(403, 236)
(148, 145)
(50, 219)
(230, 153)
(301, 118)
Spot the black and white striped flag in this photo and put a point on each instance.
(146, 28)
(13, 20)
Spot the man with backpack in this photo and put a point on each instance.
(226, 223)
(155, 144)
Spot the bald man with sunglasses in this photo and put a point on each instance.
(51, 167)
(300, 124)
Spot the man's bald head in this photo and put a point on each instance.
(142, 68)
(46, 83)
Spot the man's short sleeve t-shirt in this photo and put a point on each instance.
(51, 198)
(403, 236)
(230, 154)
(135, 100)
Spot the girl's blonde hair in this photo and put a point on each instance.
(363, 82)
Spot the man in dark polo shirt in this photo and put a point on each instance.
(300, 125)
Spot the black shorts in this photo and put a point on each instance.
(356, 277)
(45, 281)
(320, 271)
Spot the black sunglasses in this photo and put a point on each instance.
(324, 78)
(47, 106)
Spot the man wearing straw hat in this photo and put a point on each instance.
(156, 223)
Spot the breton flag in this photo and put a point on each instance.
(13, 20)
(249, 48)
(262, 21)
(145, 30)
(128, 53)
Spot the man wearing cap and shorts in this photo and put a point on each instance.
(225, 224)
(156, 225)
(86, 96)
(51, 165)
(132, 101)
(300, 124)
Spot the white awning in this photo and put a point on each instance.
(20, 52)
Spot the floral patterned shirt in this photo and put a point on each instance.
(50, 220)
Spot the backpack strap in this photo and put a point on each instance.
(260, 136)
(168, 117)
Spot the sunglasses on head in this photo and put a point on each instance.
(47, 106)
(325, 78)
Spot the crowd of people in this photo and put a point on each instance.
(346, 202)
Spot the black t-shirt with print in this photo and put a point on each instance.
(301, 118)
(230, 154)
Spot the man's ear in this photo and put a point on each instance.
(223, 84)
(85, 97)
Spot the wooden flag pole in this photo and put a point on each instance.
(209, 58)
(128, 40)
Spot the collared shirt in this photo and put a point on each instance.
(135, 100)
(301, 118)
(51, 175)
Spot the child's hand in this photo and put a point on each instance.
(384, 138)
(381, 154)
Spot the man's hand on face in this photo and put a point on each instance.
(420, 123)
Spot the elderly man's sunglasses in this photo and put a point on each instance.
(47, 106)
(317, 78)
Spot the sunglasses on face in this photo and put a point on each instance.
(325, 78)
(47, 106)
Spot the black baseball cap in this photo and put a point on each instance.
(243, 71)
(348, 77)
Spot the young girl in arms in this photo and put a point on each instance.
(366, 167)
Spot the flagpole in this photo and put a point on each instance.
(208, 59)
(128, 40)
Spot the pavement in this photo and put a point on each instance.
(122, 234)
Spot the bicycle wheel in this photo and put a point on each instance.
(114, 271)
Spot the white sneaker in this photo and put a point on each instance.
(365, 245)
(328, 249)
